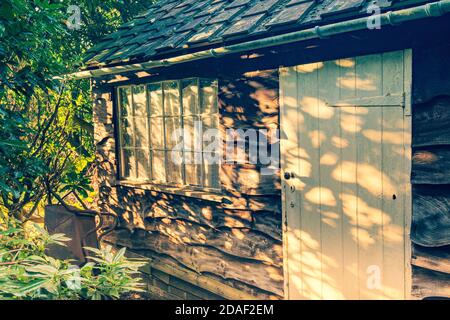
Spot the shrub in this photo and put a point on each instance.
(27, 273)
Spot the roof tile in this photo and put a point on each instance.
(121, 53)
(243, 25)
(186, 3)
(172, 42)
(197, 5)
(206, 33)
(99, 56)
(192, 24)
(146, 49)
(209, 10)
(263, 6)
(339, 6)
(238, 3)
(290, 14)
(224, 16)
(168, 6)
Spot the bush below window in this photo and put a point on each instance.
(27, 273)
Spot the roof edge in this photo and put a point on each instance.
(434, 9)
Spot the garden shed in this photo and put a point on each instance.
(350, 100)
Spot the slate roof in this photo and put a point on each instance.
(172, 27)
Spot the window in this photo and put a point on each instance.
(158, 125)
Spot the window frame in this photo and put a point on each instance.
(149, 183)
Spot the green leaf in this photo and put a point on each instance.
(119, 255)
(32, 286)
(43, 269)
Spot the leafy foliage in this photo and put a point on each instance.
(26, 272)
(47, 147)
(46, 132)
(110, 275)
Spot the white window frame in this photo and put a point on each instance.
(215, 185)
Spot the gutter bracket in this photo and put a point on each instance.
(434, 9)
(318, 31)
(390, 19)
(213, 53)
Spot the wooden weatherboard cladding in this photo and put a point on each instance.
(233, 237)
(430, 231)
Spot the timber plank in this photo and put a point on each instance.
(350, 124)
(395, 152)
(369, 79)
(205, 260)
(430, 122)
(310, 217)
(290, 161)
(330, 189)
(430, 284)
(436, 259)
(431, 216)
(431, 165)
(241, 243)
(431, 76)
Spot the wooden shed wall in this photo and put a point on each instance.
(234, 237)
(430, 232)
(241, 234)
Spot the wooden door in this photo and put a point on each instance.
(345, 141)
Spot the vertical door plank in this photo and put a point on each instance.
(370, 192)
(297, 188)
(310, 138)
(347, 171)
(349, 125)
(347, 78)
(290, 162)
(369, 82)
(369, 176)
(392, 69)
(393, 204)
(394, 178)
(330, 185)
(407, 140)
